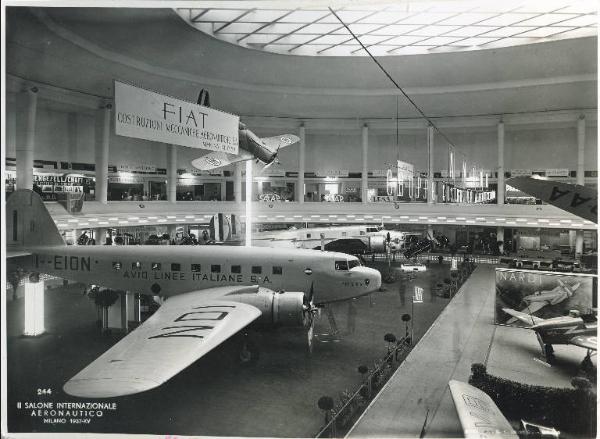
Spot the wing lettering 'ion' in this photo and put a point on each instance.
(218, 159)
(576, 199)
(479, 417)
(184, 328)
(585, 341)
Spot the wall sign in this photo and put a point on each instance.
(148, 115)
(333, 173)
(520, 172)
(557, 172)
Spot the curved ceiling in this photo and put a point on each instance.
(84, 49)
(387, 28)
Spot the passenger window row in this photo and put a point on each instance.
(197, 268)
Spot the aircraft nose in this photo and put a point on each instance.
(372, 278)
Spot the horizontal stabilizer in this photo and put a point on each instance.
(585, 341)
(184, 328)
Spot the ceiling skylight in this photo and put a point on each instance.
(391, 28)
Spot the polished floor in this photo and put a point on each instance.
(276, 396)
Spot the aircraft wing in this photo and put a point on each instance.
(276, 142)
(16, 253)
(217, 159)
(576, 199)
(534, 307)
(585, 341)
(184, 328)
(474, 407)
(525, 318)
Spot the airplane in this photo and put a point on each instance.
(574, 198)
(251, 146)
(579, 330)
(211, 293)
(539, 299)
(359, 239)
(480, 417)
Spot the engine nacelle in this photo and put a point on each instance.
(377, 244)
(278, 309)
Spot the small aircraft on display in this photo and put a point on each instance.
(361, 239)
(209, 293)
(481, 418)
(538, 300)
(576, 329)
(251, 146)
(574, 198)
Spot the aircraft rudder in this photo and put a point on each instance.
(28, 222)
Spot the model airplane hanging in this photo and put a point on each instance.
(264, 150)
(574, 198)
(211, 293)
(362, 239)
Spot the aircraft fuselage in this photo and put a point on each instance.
(170, 270)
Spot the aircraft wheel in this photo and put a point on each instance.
(249, 353)
(549, 353)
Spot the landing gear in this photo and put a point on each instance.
(332, 323)
(586, 365)
(549, 354)
(249, 352)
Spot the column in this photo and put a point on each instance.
(133, 308)
(172, 173)
(501, 186)
(581, 150)
(100, 236)
(365, 164)
(430, 184)
(430, 231)
(26, 121)
(172, 231)
(500, 238)
(301, 164)
(237, 182)
(224, 190)
(249, 179)
(34, 308)
(580, 177)
(578, 244)
(117, 313)
(102, 136)
(572, 239)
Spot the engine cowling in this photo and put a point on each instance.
(377, 243)
(277, 308)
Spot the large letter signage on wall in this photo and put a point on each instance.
(147, 115)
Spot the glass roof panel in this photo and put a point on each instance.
(391, 28)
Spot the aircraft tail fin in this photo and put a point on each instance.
(204, 98)
(28, 222)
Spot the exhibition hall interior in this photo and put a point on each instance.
(301, 219)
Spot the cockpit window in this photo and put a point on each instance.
(341, 265)
(353, 263)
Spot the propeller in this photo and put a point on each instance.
(310, 310)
